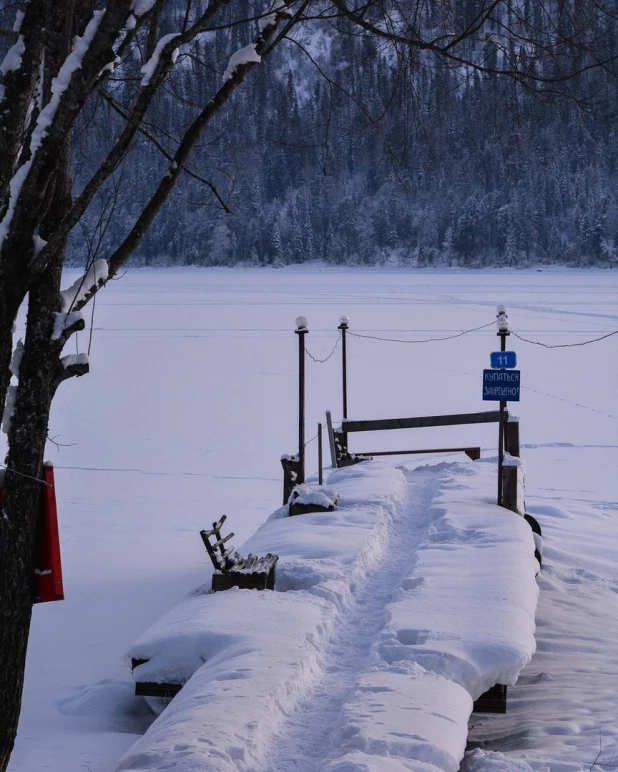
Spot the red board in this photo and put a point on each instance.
(48, 568)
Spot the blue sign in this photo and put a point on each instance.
(501, 359)
(501, 385)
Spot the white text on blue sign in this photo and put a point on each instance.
(502, 385)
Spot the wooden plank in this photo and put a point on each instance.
(474, 453)
(492, 701)
(382, 424)
(307, 509)
(216, 527)
(151, 689)
(222, 541)
(148, 689)
(331, 440)
(255, 581)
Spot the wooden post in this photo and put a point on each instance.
(290, 476)
(510, 474)
(301, 330)
(331, 440)
(320, 454)
(512, 437)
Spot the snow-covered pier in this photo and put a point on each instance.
(391, 615)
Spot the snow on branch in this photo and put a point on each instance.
(140, 7)
(18, 353)
(277, 10)
(9, 407)
(64, 322)
(82, 287)
(58, 86)
(74, 359)
(12, 60)
(150, 66)
(271, 16)
(243, 56)
(73, 366)
(79, 292)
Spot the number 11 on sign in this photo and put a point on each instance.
(503, 359)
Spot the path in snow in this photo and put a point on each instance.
(304, 742)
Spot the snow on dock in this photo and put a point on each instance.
(390, 616)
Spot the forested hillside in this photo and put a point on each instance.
(336, 151)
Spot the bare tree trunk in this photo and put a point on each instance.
(22, 490)
(40, 373)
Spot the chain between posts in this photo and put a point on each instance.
(564, 345)
(321, 361)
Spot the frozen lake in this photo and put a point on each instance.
(191, 401)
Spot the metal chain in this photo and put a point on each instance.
(564, 345)
(321, 361)
(426, 340)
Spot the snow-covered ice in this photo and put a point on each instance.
(190, 405)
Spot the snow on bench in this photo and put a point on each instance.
(232, 570)
(460, 620)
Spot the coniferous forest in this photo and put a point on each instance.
(336, 151)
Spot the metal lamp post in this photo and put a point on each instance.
(301, 330)
(344, 321)
(502, 323)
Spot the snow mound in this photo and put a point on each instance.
(392, 713)
(112, 700)
(257, 652)
(221, 627)
(466, 610)
(308, 495)
(458, 618)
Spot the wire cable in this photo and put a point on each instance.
(564, 345)
(28, 476)
(425, 340)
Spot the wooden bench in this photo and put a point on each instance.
(338, 438)
(232, 570)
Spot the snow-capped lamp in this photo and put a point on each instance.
(301, 322)
(502, 321)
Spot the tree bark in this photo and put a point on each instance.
(22, 490)
(40, 373)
